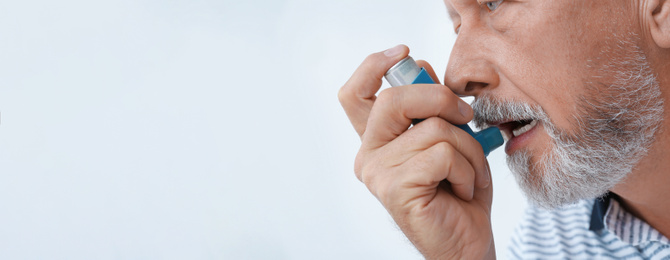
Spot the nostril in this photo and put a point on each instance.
(472, 86)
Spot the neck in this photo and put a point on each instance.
(645, 191)
(645, 194)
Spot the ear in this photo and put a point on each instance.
(659, 23)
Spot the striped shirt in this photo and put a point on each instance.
(593, 229)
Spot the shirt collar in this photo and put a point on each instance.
(608, 216)
(598, 213)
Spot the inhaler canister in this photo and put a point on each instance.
(407, 72)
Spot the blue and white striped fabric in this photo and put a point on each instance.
(582, 231)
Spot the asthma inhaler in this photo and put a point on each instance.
(407, 72)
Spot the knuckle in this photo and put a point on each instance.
(444, 95)
(386, 95)
(436, 124)
(359, 166)
(365, 170)
(370, 181)
(389, 192)
(389, 98)
(368, 173)
(445, 150)
(344, 95)
(448, 132)
(341, 94)
(445, 130)
(386, 193)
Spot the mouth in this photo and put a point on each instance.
(515, 128)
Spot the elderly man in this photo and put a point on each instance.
(579, 87)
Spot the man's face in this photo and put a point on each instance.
(566, 81)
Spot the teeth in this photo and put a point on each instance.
(506, 136)
(520, 131)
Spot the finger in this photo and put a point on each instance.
(394, 109)
(435, 130)
(429, 69)
(357, 96)
(485, 195)
(442, 162)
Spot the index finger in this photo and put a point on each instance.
(393, 112)
(358, 95)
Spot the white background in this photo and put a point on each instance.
(200, 129)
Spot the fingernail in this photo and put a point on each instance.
(464, 108)
(392, 52)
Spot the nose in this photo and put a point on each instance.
(470, 71)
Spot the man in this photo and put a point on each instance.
(579, 87)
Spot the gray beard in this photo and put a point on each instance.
(616, 123)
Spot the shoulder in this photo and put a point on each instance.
(563, 233)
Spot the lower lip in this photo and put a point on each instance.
(517, 142)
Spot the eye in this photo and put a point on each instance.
(493, 5)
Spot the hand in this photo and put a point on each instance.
(432, 178)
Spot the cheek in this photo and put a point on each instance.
(545, 80)
(550, 58)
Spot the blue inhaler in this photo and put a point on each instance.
(407, 72)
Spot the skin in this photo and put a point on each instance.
(433, 178)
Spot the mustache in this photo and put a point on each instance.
(489, 111)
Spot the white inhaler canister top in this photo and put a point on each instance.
(403, 73)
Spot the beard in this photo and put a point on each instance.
(615, 123)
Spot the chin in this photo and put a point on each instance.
(548, 184)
